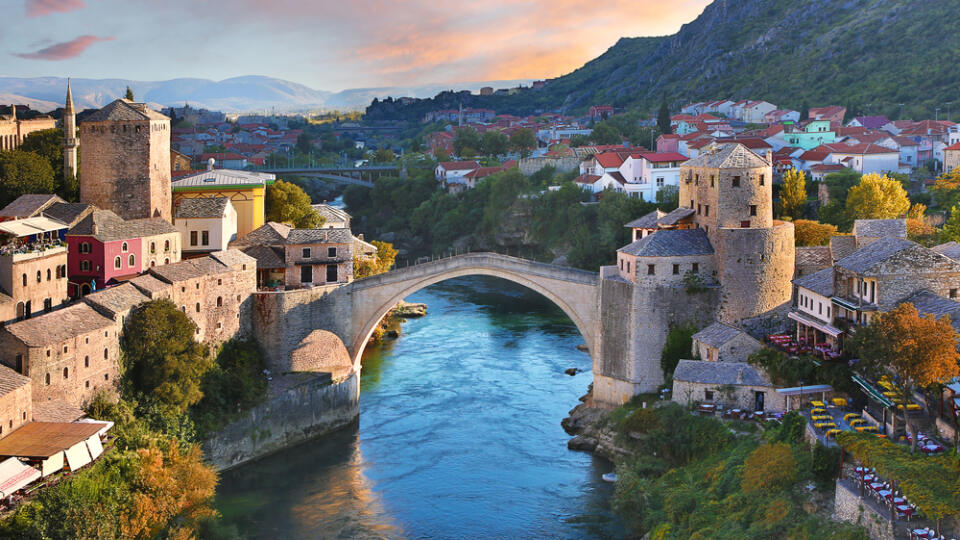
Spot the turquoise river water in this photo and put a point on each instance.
(459, 435)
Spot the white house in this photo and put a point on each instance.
(756, 112)
(648, 172)
(451, 170)
(864, 158)
(205, 224)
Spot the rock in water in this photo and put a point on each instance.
(572, 371)
(580, 442)
(409, 311)
(583, 347)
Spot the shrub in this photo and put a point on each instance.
(677, 346)
(769, 467)
(641, 421)
(826, 463)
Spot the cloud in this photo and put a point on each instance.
(38, 8)
(64, 51)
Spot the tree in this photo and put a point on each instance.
(380, 263)
(811, 233)
(128, 94)
(770, 467)
(48, 144)
(946, 190)
(839, 184)
(668, 198)
(678, 345)
(304, 143)
(835, 213)
(793, 194)
(917, 350)
(877, 197)
(288, 203)
(22, 173)
(494, 143)
(579, 140)
(161, 357)
(383, 155)
(523, 141)
(663, 118)
(466, 143)
(604, 133)
(951, 229)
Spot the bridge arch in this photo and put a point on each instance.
(573, 291)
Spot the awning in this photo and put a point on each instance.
(872, 392)
(821, 326)
(94, 446)
(52, 464)
(78, 456)
(849, 306)
(15, 475)
(803, 390)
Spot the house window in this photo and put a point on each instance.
(331, 252)
(621, 264)
(332, 273)
(736, 181)
(48, 274)
(84, 247)
(691, 203)
(106, 354)
(193, 238)
(660, 182)
(39, 276)
(306, 274)
(761, 179)
(219, 301)
(712, 183)
(708, 395)
(46, 379)
(753, 209)
(198, 307)
(307, 253)
(153, 247)
(166, 245)
(651, 269)
(745, 224)
(696, 179)
(706, 210)
(124, 247)
(628, 267)
(19, 364)
(48, 307)
(117, 263)
(86, 361)
(24, 279)
(695, 268)
(699, 209)
(205, 238)
(66, 373)
(132, 260)
(953, 293)
(676, 269)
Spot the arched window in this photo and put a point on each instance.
(166, 261)
(58, 272)
(66, 373)
(198, 307)
(116, 262)
(219, 301)
(39, 276)
(106, 376)
(49, 275)
(124, 247)
(24, 279)
(86, 361)
(166, 245)
(86, 266)
(153, 263)
(106, 354)
(153, 247)
(132, 260)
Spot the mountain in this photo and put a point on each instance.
(870, 55)
(238, 94)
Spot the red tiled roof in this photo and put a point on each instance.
(660, 157)
(955, 146)
(483, 172)
(586, 179)
(823, 167)
(459, 165)
(618, 177)
(861, 149)
(752, 143)
(610, 159)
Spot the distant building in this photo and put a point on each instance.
(486, 91)
(13, 129)
(600, 112)
(336, 218)
(205, 224)
(245, 189)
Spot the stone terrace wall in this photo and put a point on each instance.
(850, 508)
(531, 165)
(299, 407)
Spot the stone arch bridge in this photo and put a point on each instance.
(283, 319)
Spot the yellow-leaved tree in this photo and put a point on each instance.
(793, 195)
(917, 350)
(877, 196)
(813, 233)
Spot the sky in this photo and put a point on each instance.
(325, 44)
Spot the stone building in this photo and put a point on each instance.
(724, 343)
(334, 218)
(720, 256)
(33, 267)
(125, 163)
(14, 129)
(246, 191)
(729, 384)
(206, 224)
(68, 355)
(214, 291)
(16, 405)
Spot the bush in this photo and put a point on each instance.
(641, 421)
(234, 385)
(826, 463)
(769, 467)
(679, 345)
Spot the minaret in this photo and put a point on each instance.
(70, 141)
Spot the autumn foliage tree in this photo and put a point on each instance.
(916, 350)
(768, 468)
(378, 264)
(793, 194)
(812, 233)
(877, 196)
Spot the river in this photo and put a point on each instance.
(459, 435)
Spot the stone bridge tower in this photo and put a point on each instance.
(125, 165)
(70, 140)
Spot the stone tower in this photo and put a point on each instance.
(70, 140)
(125, 165)
(730, 190)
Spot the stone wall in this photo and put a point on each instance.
(16, 407)
(739, 396)
(531, 165)
(756, 269)
(849, 507)
(634, 321)
(299, 407)
(50, 265)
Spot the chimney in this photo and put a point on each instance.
(210, 163)
(740, 376)
(770, 157)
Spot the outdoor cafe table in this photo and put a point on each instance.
(906, 510)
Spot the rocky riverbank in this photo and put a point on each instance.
(390, 326)
(592, 431)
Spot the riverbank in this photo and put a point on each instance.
(390, 326)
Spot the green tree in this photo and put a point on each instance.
(877, 197)
(668, 198)
(663, 118)
(678, 346)
(835, 213)
(839, 184)
(384, 155)
(288, 203)
(494, 143)
(579, 140)
(304, 143)
(466, 143)
(160, 356)
(49, 145)
(128, 94)
(793, 194)
(22, 173)
(523, 141)
(604, 133)
(951, 229)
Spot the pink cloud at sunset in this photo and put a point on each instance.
(66, 50)
(38, 8)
